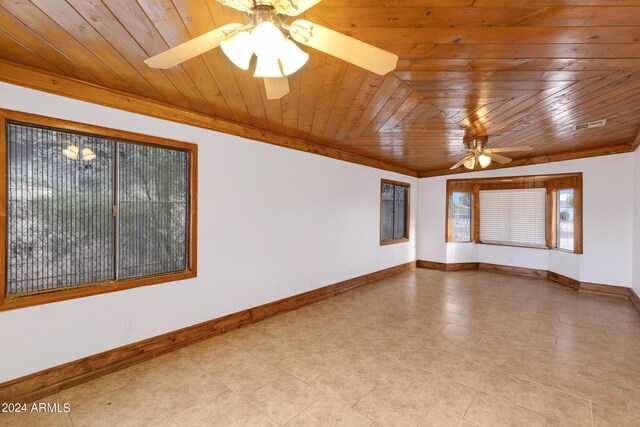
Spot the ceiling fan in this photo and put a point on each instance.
(480, 154)
(277, 55)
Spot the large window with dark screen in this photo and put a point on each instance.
(89, 210)
(394, 215)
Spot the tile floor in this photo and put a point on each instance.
(423, 348)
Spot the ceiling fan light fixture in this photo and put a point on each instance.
(88, 154)
(292, 58)
(239, 49)
(470, 162)
(267, 41)
(267, 66)
(71, 152)
(484, 160)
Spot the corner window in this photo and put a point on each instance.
(394, 212)
(536, 211)
(460, 213)
(565, 220)
(87, 213)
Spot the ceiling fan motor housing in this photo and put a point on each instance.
(478, 143)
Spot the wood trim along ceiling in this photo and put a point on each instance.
(82, 91)
(576, 285)
(44, 383)
(520, 72)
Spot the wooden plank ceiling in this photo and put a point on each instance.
(520, 71)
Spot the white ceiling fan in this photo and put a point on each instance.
(480, 154)
(277, 55)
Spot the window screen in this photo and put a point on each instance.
(62, 196)
(514, 217)
(394, 211)
(565, 219)
(460, 216)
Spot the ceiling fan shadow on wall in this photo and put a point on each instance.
(479, 154)
(278, 56)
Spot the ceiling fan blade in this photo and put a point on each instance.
(241, 5)
(294, 7)
(509, 149)
(193, 47)
(498, 158)
(457, 165)
(276, 87)
(344, 47)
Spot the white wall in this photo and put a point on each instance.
(636, 224)
(273, 222)
(608, 220)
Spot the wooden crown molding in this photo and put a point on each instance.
(44, 383)
(557, 157)
(83, 91)
(636, 142)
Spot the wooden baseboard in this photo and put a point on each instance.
(44, 383)
(576, 285)
(564, 280)
(443, 266)
(516, 271)
(635, 299)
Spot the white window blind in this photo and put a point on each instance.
(514, 217)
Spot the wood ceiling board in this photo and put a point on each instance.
(520, 69)
(389, 37)
(529, 64)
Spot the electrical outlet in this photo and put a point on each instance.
(129, 325)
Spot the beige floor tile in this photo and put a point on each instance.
(438, 361)
(329, 412)
(249, 376)
(343, 384)
(129, 406)
(389, 406)
(383, 369)
(261, 420)
(555, 404)
(97, 387)
(217, 358)
(437, 417)
(423, 339)
(224, 409)
(607, 416)
(489, 380)
(284, 398)
(632, 398)
(491, 411)
(442, 394)
(306, 366)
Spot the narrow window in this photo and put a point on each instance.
(88, 210)
(460, 211)
(513, 217)
(394, 207)
(565, 224)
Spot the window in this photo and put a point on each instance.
(460, 211)
(565, 234)
(394, 217)
(540, 211)
(514, 217)
(85, 211)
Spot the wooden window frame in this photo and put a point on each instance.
(8, 302)
(552, 183)
(407, 237)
